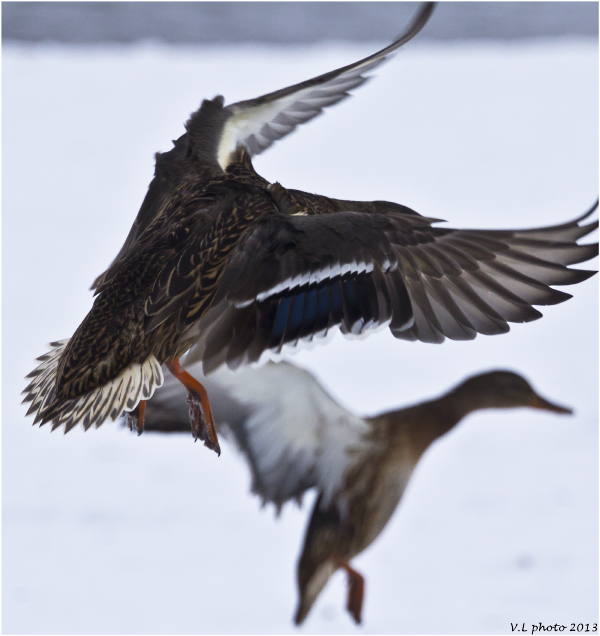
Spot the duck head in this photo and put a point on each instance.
(502, 390)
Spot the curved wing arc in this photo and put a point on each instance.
(257, 123)
(293, 435)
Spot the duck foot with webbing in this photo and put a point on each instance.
(136, 418)
(356, 590)
(201, 417)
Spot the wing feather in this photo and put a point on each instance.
(216, 132)
(258, 123)
(294, 279)
(293, 435)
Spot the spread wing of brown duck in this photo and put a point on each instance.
(296, 277)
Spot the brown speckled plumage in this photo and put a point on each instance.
(176, 265)
(220, 259)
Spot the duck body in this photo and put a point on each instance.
(383, 470)
(295, 437)
(194, 233)
(141, 313)
(376, 478)
(221, 260)
(373, 486)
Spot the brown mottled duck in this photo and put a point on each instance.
(295, 437)
(221, 259)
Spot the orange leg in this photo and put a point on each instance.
(356, 590)
(137, 417)
(201, 417)
(141, 408)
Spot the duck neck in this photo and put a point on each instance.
(417, 427)
(464, 400)
(447, 411)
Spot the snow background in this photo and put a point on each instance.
(109, 533)
(286, 22)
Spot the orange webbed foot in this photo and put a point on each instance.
(201, 417)
(202, 421)
(356, 591)
(136, 418)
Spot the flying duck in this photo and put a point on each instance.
(220, 259)
(295, 436)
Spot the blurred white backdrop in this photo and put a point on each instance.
(109, 533)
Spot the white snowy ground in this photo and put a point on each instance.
(108, 533)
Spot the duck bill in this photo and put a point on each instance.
(538, 402)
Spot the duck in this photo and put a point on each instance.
(295, 437)
(222, 261)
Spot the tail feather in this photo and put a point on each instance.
(310, 588)
(41, 390)
(123, 394)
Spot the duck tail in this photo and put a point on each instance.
(122, 394)
(310, 587)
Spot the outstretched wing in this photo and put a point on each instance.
(257, 123)
(216, 132)
(295, 278)
(292, 433)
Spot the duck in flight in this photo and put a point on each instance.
(295, 436)
(220, 259)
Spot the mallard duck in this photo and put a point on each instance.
(296, 437)
(220, 259)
